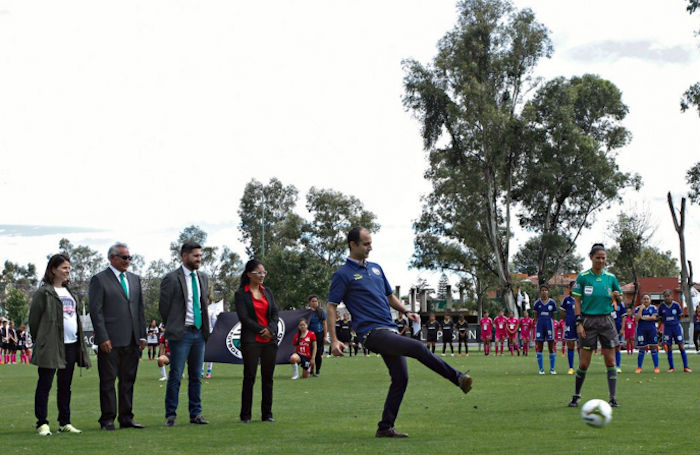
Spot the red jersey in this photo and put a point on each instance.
(486, 327)
(512, 326)
(500, 323)
(559, 329)
(630, 326)
(526, 328)
(304, 345)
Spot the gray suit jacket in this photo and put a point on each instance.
(114, 316)
(173, 300)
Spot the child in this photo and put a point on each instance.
(512, 332)
(486, 325)
(305, 342)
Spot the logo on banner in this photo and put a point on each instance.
(233, 339)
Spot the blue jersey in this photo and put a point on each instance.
(568, 305)
(316, 324)
(649, 311)
(364, 289)
(545, 310)
(619, 316)
(670, 315)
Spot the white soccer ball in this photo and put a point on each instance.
(596, 413)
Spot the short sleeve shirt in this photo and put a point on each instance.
(670, 315)
(304, 345)
(596, 291)
(568, 306)
(364, 290)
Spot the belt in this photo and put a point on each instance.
(191, 328)
(378, 329)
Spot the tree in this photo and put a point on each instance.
(85, 262)
(150, 287)
(691, 97)
(442, 287)
(16, 306)
(194, 234)
(293, 275)
(651, 262)
(569, 170)
(559, 258)
(692, 177)
(679, 225)
(333, 214)
(19, 277)
(468, 103)
(267, 217)
(228, 275)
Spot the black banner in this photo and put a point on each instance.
(224, 344)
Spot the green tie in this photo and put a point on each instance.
(195, 303)
(126, 290)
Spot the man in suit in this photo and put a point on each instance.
(117, 313)
(183, 307)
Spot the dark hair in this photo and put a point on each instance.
(572, 283)
(312, 296)
(595, 248)
(188, 246)
(543, 285)
(354, 235)
(249, 267)
(54, 261)
(669, 292)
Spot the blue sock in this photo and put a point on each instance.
(539, 361)
(618, 358)
(570, 354)
(552, 360)
(684, 356)
(669, 354)
(655, 358)
(640, 358)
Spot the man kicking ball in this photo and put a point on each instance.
(364, 289)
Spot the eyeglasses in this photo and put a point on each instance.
(126, 258)
(263, 273)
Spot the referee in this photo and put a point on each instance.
(364, 289)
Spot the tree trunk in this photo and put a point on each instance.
(680, 228)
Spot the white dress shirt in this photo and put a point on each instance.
(189, 313)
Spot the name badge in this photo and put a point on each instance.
(588, 290)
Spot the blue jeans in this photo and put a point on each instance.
(190, 349)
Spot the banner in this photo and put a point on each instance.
(224, 344)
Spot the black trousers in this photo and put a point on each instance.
(320, 345)
(43, 387)
(393, 347)
(266, 355)
(120, 364)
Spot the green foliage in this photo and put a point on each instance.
(692, 177)
(16, 306)
(649, 262)
(293, 275)
(150, 286)
(442, 287)
(227, 278)
(269, 209)
(194, 234)
(18, 277)
(691, 98)
(558, 258)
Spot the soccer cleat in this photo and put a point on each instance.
(466, 355)
(618, 369)
(541, 371)
(671, 370)
(459, 355)
(163, 378)
(465, 382)
(613, 403)
(208, 376)
(574, 401)
(656, 370)
(638, 370)
(452, 354)
(552, 372)
(687, 370)
(296, 376)
(571, 371)
(68, 428)
(443, 354)
(44, 430)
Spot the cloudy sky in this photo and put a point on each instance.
(131, 120)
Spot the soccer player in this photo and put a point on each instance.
(432, 327)
(646, 315)
(305, 342)
(671, 313)
(402, 324)
(364, 289)
(500, 323)
(486, 325)
(164, 359)
(630, 326)
(558, 326)
(594, 292)
(512, 333)
(544, 330)
(618, 314)
(462, 336)
(344, 331)
(447, 325)
(567, 315)
(696, 328)
(526, 325)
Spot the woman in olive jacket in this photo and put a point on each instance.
(58, 343)
(258, 315)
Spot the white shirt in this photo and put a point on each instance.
(117, 273)
(70, 315)
(189, 313)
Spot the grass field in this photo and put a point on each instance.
(511, 410)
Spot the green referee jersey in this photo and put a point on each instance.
(596, 291)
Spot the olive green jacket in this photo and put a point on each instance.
(46, 327)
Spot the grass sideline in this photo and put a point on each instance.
(511, 410)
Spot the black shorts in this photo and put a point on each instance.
(599, 327)
(431, 337)
(305, 362)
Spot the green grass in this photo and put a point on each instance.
(511, 410)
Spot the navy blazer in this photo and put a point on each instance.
(243, 301)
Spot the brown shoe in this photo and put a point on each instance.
(389, 433)
(465, 382)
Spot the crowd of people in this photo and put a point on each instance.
(591, 315)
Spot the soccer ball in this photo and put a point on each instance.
(596, 413)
